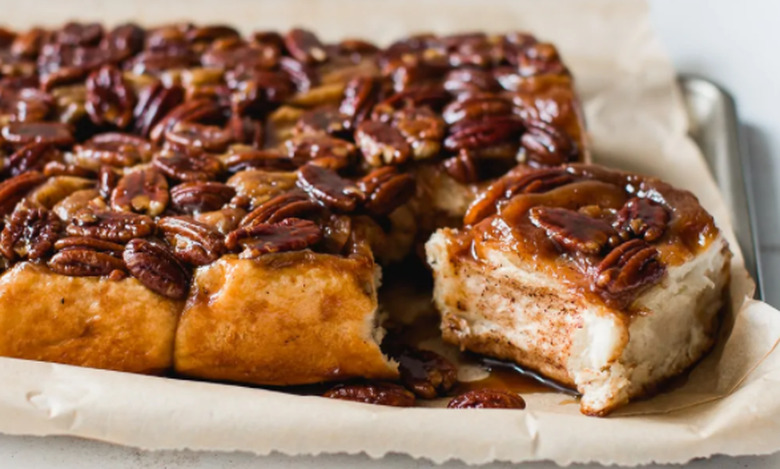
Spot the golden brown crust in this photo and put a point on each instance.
(289, 318)
(85, 321)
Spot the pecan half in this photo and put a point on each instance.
(110, 226)
(113, 149)
(156, 268)
(642, 218)
(382, 144)
(305, 46)
(85, 242)
(546, 145)
(386, 189)
(329, 188)
(22, 133)
(572, 230)
(85, 262)
(373, 393)
(291, 234)
(33, 156)
(426, 373)
(190, 165)
(14, 189)
(110, 99)
(487, 399)
(470, 80)
(196, 110)
(26, 104)
(155, 103)
(624, 272)
(107, 179)
(336, 231)
(193, 197)
(476, 108)
(310, 147)
(29, 233)
(423, 130)
(484, 135)
(193, 242)
(142, 191)
(249, 158)
(288, 205)
(360, 95)
(463, 167)
(193, 135)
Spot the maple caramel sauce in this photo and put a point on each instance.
(514, 378)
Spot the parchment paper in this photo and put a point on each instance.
(730, 404)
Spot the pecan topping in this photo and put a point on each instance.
(29, 233)
(382, 144)
(156, 268)
(193, 242)
(142, 191)
(329, 188)
(628, 269)
(573, 230)
(335, 233)
(154, 104)
(197, 110)
(479, 134)
(107, 179)
(193, 135)
(85, 242)
(477, 108)
(113, 149)
(305, 46)
(463, 167)
(642, 218)
(33, 156)
(373, 393)
(110, 100)
(85, 262)
(386, 189)
(426, 373)
(470, 80)
(187, 166)
(360, 96)
(291, 234)
(287, 205)
(110, 226)
(193, 197)
(422, 129)
(14, 189)
(487, 399)
(546, 145)
(22, 133)
(317, 146)
(243, 159)
(26, 104)
(537, 181)
(328, 120)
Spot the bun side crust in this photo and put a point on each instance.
(281, 319)
(85, 321)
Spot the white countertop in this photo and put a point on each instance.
(731, 42)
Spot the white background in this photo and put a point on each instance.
(734, 42)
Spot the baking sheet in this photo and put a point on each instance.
(728, 405)
(714, 126)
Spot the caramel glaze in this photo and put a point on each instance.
(591, 189)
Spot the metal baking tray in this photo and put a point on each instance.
(714, 127)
